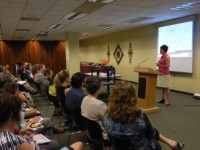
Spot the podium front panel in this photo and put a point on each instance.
(142, 88)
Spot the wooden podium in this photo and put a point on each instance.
(147, 89)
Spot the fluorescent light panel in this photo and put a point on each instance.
(87, 33)
(105, 28)
(35, 38)
(186, 6)
(45, 33)
(74, 15)
(55, 26)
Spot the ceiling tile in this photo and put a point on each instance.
(26, 24)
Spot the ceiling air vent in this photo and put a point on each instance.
(101, 1)
(17, 38)
(22, 29)
(103, 27)
(139, 19)
(29, 19)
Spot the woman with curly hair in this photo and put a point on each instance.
(125, 121)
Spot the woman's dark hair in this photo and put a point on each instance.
(36, 68)
(164, 48)
(77, 79)
(10, 88)
(47, 72)
(10, 106)
(93, 84)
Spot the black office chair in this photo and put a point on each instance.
(121, 143)
(95, 138)
(77, 118)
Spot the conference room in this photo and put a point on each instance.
(124, 34)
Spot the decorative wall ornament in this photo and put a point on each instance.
(118, 54)
(130, 52)
(108, 53)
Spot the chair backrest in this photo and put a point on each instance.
(94, 134)
(77, 118)
(94, 129)
(121, 143)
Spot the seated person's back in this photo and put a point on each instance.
(74, 97)
(91, 107)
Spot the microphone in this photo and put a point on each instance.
(143, 61)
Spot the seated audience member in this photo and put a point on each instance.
(52, 96)
(124, 120)
(28, 71)
(39, 76)
(34, 69)
(91, 107)
(5, 76)
(49, 128)
(74, 98)
(61, 82)
(22, 70)
(7, 66)
(10, 107)
(45, 82)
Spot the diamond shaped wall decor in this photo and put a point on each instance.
(118, 54)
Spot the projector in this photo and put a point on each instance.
(197, 95)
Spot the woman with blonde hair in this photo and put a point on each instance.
(61, 82)
(125, 121)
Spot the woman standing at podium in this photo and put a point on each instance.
(163, 80)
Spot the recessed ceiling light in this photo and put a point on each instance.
(105, 28)
(45, 33)
(186, 6)
(35, 38)
(74, 15)
(87, 33)
(55, 26)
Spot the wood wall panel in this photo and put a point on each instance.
(50, 53)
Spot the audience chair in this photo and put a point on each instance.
(121, 143)
(124, 143)
(95, 138)
(77, 118)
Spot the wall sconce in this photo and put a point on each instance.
(108, 53)
(130, 53)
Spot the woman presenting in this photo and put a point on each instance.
(163, 67)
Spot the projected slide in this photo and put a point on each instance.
(179, 38)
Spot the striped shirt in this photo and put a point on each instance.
(10, 141)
